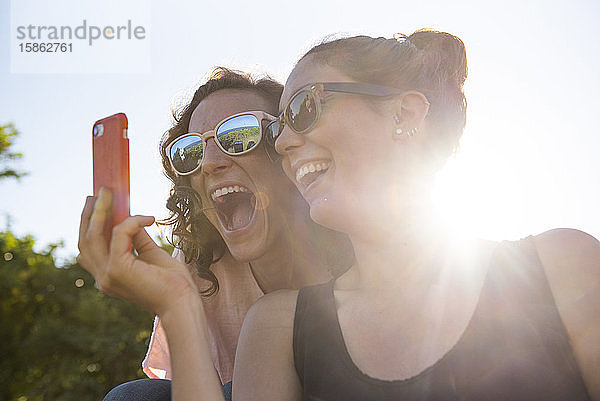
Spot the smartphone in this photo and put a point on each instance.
(111, 165)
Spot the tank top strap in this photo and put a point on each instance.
(315, 313)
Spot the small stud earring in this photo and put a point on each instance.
(403, 134)
(399, 130)
(399, 135)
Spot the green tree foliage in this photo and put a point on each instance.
(164, 244)
(7, 135)
(61, 338)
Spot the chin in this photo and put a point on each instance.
(339, 214)
(322, 212)
(254, 244)
(250, 244)
(248, 254)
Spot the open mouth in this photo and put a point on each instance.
(309, 172)
(235, 206)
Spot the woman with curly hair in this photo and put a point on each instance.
(238, 223)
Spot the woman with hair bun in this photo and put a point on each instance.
(365, 124)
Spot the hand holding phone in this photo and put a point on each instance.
(111, 165)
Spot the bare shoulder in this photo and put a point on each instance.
(567, 243)
(571, 260)
(264, 363)
(569, 255)
(273, 309)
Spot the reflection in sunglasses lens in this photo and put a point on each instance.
(239, 134)
(302, 112)
(186, 153)
(272, 132)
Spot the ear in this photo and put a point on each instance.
(411, 108)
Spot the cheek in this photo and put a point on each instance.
(366, 173)
(197, 183)
(287, 168)
(279, 189)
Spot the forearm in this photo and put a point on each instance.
(193, 374)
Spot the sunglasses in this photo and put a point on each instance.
(303, 110)
(236, 135)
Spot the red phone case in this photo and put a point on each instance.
(111, 165)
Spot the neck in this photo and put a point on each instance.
(408, 256)
(415, 261)
(396, 265)
(297, 258)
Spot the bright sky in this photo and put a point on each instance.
(529, 157)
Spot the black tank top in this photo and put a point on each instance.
(514, 348)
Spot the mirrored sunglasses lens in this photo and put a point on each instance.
(272, 132)
(186, 153)
(302, 112)
(239, 133)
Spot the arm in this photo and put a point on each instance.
(264, 362)
(157, 361)
(156, 282)
(193, 374)
(571, 261)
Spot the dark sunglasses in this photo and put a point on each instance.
(303, 110)
(235, 135)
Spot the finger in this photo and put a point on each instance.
(80, 260)
(143, 243)
(123, 233)
(86, 213)
(150, 252)
(101, 212)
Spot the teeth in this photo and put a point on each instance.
(310, 168)
(227, 190)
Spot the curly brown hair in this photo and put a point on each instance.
(192, 232)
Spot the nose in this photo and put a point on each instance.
(214, 158)
(287, 141)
